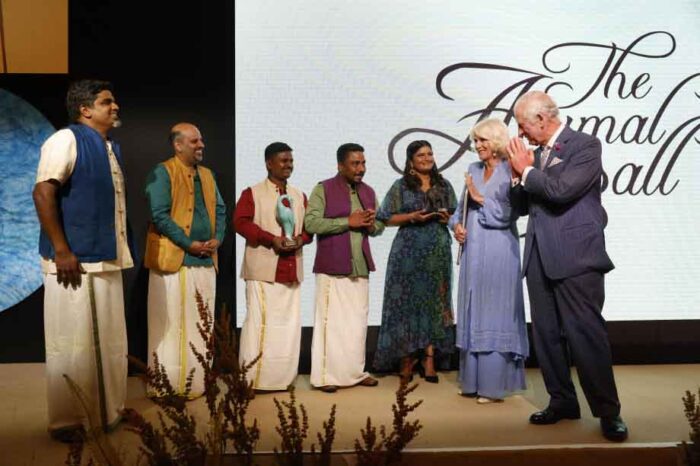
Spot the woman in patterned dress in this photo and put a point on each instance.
(417, 315)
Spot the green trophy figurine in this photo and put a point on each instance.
(285, 216)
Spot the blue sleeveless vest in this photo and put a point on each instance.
(86, 201)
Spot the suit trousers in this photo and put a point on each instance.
(570, 310)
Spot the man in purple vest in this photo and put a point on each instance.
(341, 211)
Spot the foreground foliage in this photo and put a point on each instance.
(175, 440)
(691, 407)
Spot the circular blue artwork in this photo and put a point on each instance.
(22, 132)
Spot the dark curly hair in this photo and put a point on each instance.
(83, 94)
(412, 181)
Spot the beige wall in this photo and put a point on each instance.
(36, 36)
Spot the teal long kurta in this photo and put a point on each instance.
(158, 192)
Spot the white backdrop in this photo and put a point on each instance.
(316, 74)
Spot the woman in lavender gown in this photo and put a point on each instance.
(491, 331)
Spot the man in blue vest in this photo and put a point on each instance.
(84, 245)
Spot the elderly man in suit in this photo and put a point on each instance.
(559, 186)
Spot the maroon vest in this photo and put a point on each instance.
(333, 252)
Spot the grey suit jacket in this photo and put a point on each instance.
(566, 216)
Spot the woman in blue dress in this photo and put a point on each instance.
(491, 330)
(417, 317)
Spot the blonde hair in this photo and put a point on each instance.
(495, 132)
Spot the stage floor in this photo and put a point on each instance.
(650, 397)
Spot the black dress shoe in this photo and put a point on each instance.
(552, 416)
(614, 428)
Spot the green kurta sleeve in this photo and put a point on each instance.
(158, 194)
(314, 221)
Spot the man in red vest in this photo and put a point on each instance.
(273, 271)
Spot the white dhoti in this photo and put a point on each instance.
(172, 323)
(272, 327)
(85, 336)
(340, 331)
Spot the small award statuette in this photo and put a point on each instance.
(437, 200)
(285, 217)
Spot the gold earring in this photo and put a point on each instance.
(411, 171)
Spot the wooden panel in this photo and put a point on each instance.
(36, 36)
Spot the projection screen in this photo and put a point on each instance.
(381, 73)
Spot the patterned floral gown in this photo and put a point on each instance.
(417, 309)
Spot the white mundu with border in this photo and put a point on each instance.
(272, 328)
(84, 328)
(172, 323)
(272, 325)
(340, 330)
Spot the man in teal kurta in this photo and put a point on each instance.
(189, 218)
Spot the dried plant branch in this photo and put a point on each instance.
(75, 453)
(174, 440)
(404, 432)
(94, 436)
(293, 430)
(369, 452)
(374, 452)
(228, 393)
(325, 441)
(227, 408)
(691, 407)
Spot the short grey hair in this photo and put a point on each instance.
(534, 103)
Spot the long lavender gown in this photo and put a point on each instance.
(491, 331)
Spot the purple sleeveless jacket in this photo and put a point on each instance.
(333, 252)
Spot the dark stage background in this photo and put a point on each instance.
(175, 63)
(169, 62)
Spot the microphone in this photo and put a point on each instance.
(116, 124)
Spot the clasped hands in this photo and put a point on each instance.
(520, 156)
(362, 219)
(203, 248)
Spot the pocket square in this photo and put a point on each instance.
(555, 161)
